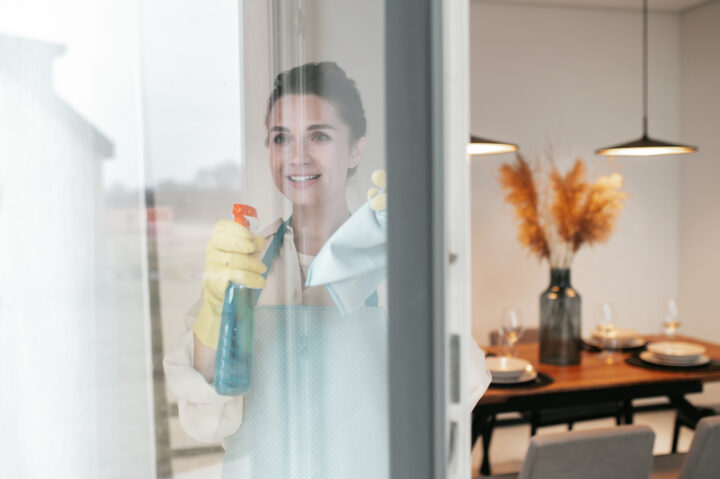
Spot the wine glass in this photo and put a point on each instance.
(502, 347)
(611, 352)
(671, 322)
(606, 316)
(512, 328)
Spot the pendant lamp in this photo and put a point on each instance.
(483, 146)
(646, 146)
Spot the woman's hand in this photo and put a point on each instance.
(376, 195)
(232, 254)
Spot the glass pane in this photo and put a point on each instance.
(149, 327)
(191, 90)
(283, 112)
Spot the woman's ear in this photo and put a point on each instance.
(356, 152)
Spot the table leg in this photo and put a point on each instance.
(486, 424)
(676, 434)
(628, 411)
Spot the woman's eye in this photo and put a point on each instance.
(281, 139)
(320, 136)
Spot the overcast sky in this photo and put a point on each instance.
(184, 99)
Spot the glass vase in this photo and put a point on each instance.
(560, 341)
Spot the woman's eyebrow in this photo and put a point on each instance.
(280, 128)
(321, 126)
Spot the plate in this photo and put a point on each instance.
(670, 350)
(525, 377)
(621, 335)
(650, 357)
(504, 367)
(599, 343)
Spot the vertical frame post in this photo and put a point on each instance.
(416, 248)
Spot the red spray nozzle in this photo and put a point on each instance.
(240, 212)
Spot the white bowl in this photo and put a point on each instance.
(503, 367)
(673, 350)
(650, 357)
(609, 344)
(527, 376)
(619, 334)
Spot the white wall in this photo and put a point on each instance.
(699, 191)
(571, 79)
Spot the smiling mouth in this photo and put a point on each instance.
(302, 178)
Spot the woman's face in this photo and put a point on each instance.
(310, 151)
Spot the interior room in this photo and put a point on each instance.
(562, 79)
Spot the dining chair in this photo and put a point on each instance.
(623, 452)
(689, 418)
(702, 460)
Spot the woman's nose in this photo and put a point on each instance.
(299, 153)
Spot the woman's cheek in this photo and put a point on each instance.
(276, 171)
(325, 151)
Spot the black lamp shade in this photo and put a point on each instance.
(646, 146)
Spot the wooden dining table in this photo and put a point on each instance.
(597, 379)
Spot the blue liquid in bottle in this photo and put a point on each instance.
(233, 360)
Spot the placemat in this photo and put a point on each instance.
(634, 360)
(596, 349)
(541, 380)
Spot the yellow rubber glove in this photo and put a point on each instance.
(376, 194)
(232, 254)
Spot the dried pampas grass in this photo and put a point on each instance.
(518, 181)
(575, 212)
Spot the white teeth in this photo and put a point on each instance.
(303, 178)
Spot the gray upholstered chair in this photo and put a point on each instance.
(623, 452)
(689, 418)
(702, 460)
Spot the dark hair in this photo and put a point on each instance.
(328, 81)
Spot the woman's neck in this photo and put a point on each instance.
(314, 225)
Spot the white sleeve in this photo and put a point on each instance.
(204, 414)
(480, 376)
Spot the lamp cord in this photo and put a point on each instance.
(645, 68)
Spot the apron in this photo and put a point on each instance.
(317, 406)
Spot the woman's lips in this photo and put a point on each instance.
(302, 181)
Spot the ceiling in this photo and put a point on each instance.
(673, 6)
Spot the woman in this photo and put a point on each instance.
(316, 137)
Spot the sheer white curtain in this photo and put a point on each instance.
(75, 381)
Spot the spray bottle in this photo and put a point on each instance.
(233, 362)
